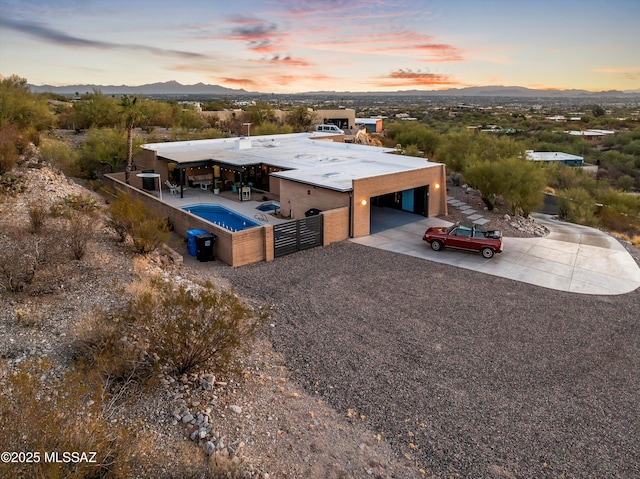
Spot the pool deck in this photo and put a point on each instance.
(228, 199)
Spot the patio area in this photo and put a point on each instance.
(227, 199)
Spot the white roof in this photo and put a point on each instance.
(322, 163)
(590, 132)
(367, 121)
(551, 156)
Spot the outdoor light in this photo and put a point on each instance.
(363, 202)
(437, 186)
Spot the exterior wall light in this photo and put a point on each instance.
(437, 185)
(363, 202)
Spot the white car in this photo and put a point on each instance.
(329, 129)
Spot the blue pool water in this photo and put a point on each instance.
(221, 216)
(269, 206)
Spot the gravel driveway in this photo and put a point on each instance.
(466, 374)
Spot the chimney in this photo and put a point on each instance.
(242, 143)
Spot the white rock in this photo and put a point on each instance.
(235, 409)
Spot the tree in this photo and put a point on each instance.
(417, 134)
(261, 113)
(95, 110)
(522, 186)
(300, 118)
(271, 129)
(20, 107)
(484, 177)
(519, 182)
(105, 146)
(131, 114)
(598, 111)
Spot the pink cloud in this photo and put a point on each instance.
(408, 44)
(284, 61)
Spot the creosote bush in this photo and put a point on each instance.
(190, 330)
(169, 327)
(131, 217)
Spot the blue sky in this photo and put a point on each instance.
(287, 46)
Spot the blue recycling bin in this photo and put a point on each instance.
(192, 246)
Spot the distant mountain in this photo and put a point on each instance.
(496, 91)
(165, 88)
(177, 89)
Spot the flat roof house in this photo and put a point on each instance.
(555, 156)
(308, 171)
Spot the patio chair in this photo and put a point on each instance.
(173, 189)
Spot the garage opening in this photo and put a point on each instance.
(396, 209)
(414, 200)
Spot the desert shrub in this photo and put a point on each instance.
(170, 327)
(22, 255)
(131, 217)
(80, 230)
(192, 330)
(625, 182)
(8, 157)
(106, 348)
(82, 203)
(12, 183)
(149, 234)
(619, 211)
(37, 216)
(124, 212)
(12, 142)
(60, 155)
(48, 412)
(577, 206)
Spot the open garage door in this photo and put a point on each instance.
(414, 200)
(401, 207)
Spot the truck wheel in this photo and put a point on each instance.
(487, 253)
(436, 245)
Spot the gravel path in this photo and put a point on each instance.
(466, 375)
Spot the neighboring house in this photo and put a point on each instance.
(591, 134)
(307, 171)
(372, 125)
(343, 118)
(555, 157)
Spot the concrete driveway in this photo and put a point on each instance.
(571, 258)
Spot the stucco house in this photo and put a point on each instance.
(306, 171)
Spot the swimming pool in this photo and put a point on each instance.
(221, 216)
(269, 206)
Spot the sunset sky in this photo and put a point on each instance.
(288, 46)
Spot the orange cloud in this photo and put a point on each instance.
(239, 82)
(632, 73)
(406, 78)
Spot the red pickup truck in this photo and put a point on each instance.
(471, 238)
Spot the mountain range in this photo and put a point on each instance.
(177, 89)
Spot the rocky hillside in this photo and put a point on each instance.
(256, 422)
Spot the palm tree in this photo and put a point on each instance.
(131, 114)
